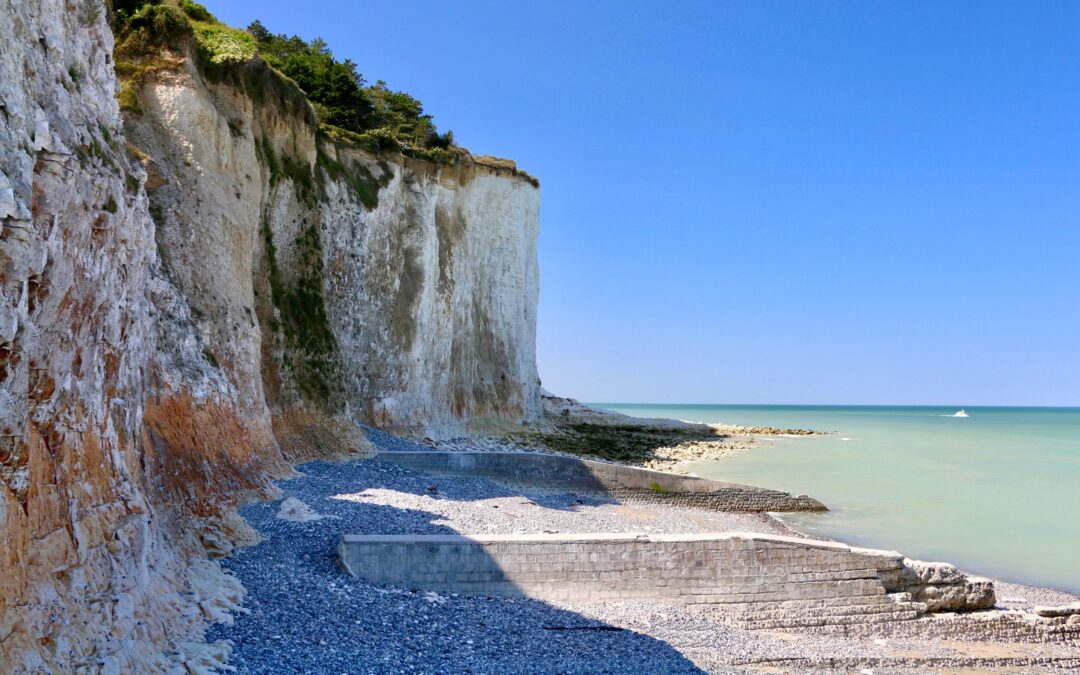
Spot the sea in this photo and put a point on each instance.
(997, 493)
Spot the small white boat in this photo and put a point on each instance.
(960, 413)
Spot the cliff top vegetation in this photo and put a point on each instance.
(347, 108)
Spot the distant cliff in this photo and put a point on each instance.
(195, 292)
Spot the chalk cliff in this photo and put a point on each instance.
(328, 278)
(193, 295)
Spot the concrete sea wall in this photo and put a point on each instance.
(756, 580)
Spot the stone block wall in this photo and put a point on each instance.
(754, 580)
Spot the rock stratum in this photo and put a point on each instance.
(196, 294)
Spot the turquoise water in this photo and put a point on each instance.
(997, 493)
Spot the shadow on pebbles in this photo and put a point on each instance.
(305, 615)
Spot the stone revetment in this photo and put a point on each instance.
(755, 580)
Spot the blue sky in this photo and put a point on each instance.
(766, 202)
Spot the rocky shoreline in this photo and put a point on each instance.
(574, 429)
(303, 614)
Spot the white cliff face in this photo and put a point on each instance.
(432, 296)
(207, 188)
(408, 302)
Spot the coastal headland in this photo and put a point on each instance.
(241, 289)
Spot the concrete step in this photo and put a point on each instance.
(803, 605)
(750, 613)
(838, 620)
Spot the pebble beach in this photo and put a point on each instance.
(304, 614)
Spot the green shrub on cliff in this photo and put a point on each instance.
(341, 96)
(334, 87)
(196, 11)
(374, 116)
(220, 44)
(144, 31)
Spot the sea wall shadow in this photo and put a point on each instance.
(599, 479)
(308, 615)
(605, 480)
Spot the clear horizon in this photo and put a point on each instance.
(769, 201)
(825, 405)
(890, 475)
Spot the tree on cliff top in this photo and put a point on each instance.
(340, 94)
(336, 89)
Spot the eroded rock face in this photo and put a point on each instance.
(452, 344)
(174, 312)
(120, 446)
(333, 280)
(941, 586)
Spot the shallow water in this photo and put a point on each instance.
(997, 493)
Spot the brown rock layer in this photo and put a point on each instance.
(201, 453)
